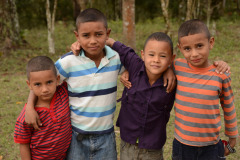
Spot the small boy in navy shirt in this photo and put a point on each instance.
(146, 105)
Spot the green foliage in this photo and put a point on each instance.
(32, 12)
(147, 10)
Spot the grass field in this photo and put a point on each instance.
(14, 90)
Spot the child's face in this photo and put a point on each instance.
(92, 36)
(195, 48)
(157, 57)
(43, 84)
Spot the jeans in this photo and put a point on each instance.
(132, 152)
(185, 152)
(92, 147)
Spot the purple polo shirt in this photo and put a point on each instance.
(145, 109)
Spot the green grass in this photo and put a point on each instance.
(14, 90)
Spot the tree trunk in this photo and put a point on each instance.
(51, 26)
(79, 6)
(129, 33)
(198, 9)
(189, 9)
(209, 12)
(237, 1)
(9, 26)
(164, 5)
(224, 4)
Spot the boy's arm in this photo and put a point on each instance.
(232, 142)
(25, 151)
(128, 56)
(169, 76)
(76, 47)
(169, 80)
(227, 103)
(31, 116)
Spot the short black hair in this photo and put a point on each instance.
(160, 36)
(40, 63)
(91, 15)
(191, 27)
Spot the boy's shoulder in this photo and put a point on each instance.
(67, 54)
(110, 53)
(182, 64)
(62, 89)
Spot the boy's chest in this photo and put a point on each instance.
(142, 94)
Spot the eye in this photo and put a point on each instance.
(199, 45)
(99, 34)
(163, 56)
(186, 48)
(151, 54)
(85, 35)
(37, 84)
(49, 82)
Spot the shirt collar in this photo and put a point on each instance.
(109, 52)
(159, 80)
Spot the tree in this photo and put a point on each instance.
(50, 25)
(129, 33)
(164, 5)
(79, 6)
(9, 25)
(210, 9)
(190, 8)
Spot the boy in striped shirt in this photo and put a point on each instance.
(199, 90)
(52, 105)
(92, 86)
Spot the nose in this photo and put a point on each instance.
(92, 40)
(194, 53)
(156, 58)
(44, 88)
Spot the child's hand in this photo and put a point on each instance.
(125, 79)
(222, 67)
(169, 80)
(32, 118)
(232, 142)
(110, 42)
(76, 47)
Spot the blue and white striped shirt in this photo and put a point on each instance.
(92, 90)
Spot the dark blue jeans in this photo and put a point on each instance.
(184, 152)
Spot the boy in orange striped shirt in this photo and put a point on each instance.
(199, 89)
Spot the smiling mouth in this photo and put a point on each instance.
(93, 48)
(154, 66)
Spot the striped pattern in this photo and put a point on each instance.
(55, 136)
(92, 90)
(197, 113)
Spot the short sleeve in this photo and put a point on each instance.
(23, 132)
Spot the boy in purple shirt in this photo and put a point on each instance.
(146, 105)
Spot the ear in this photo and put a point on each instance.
(108, 32)
(142, 54)
(28, 83)
(173, 57)
(178, 45)
(76, 34)
(211, 42)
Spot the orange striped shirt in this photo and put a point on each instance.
(197, 113)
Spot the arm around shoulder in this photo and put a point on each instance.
(31, 116)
